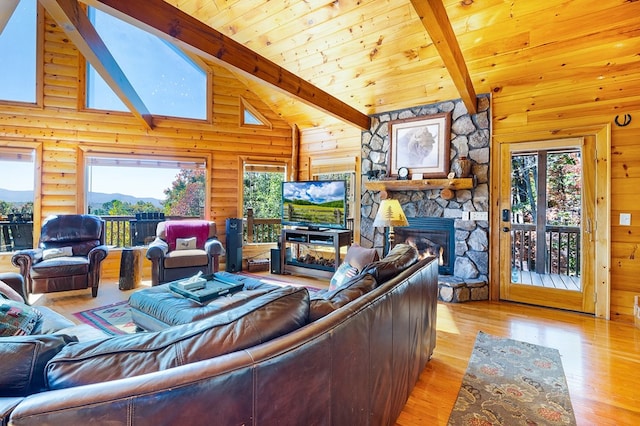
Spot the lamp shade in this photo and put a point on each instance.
(390, 214)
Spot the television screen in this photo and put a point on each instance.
(315, 204)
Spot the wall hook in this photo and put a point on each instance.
(626, 122)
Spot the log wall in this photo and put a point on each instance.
(63, 131)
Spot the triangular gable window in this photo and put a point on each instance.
(18, 52)
(249, 116)
(168, 81)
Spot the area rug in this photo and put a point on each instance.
(509, 382)
(112, 319)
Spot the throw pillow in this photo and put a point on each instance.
(259, 320)
(344, 272)
(186, 243)
(23, 360)
(52, 253)
(17, 319)
(355, 261)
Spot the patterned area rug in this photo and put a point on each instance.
(112, 319)
(509, 382)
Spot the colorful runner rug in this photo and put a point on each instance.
(509, 382)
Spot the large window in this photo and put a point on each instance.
(18, 52)
(262, 199)
(16, 198)
(168, 82)
(134, 194)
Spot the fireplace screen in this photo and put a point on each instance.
(432, 237)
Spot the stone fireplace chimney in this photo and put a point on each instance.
(467, 256)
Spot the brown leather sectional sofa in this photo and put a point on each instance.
(355, 365)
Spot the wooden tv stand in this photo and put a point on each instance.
(295, 240)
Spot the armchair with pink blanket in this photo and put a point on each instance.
(183, 248)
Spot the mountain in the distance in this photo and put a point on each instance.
(97, 198)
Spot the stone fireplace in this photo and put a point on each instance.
(432, 236)
(464, 275)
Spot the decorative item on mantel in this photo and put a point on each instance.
(462, 167)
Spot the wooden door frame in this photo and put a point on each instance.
(602, 213)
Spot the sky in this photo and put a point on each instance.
(151, 74)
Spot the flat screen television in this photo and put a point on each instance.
(315, 204)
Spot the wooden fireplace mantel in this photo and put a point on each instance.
(385, 186)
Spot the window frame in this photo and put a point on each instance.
(258, 161)
(83, 68)
(87, 152)
(34, 149)
(39, 65)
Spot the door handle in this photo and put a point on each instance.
(506, 229)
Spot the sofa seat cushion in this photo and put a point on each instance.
(51, 321)
(60, 267)
(324, 302)
(23, 360)
(186, 258)
(259, 320)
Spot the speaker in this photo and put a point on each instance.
(234, 245)
(275, 261)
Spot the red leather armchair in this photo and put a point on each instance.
(69, 256)
(183, 248)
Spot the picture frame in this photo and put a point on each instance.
(421, 144)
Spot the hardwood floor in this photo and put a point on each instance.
(601, 359)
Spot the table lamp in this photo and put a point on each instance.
(389, 214)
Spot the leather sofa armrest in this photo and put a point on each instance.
(213, 247)
(157, 249)
(98, 254)
(24, 259)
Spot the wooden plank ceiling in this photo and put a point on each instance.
(378, 56)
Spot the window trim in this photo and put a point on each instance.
(36, 148)
(83, 67)
(86, 152)
(39, 71)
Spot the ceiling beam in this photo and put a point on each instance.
(169, 22)
(435, 20)
(7, 7)
(76, 25)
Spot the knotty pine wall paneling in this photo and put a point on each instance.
(65, 131)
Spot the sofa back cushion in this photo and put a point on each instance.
(324, 302)
(259, 320)
(23, 360)
(401, 257)
(82, 232)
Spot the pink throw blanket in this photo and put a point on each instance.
(187, 229)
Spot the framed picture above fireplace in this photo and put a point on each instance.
(422, 144)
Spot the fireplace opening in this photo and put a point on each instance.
(431, 236)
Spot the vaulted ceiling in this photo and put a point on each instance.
(353, 58)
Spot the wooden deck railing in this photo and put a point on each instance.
(125, 231)
(561, 254)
